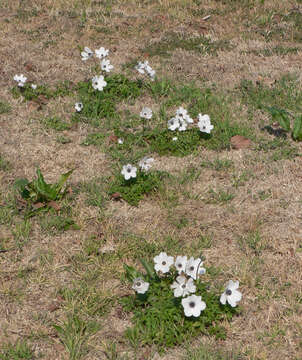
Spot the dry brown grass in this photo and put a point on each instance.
(269, 271)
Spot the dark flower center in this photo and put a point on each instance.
(179, 265)
(228, 292)
(192, 304)
(129, 170)
(183, 286)
(138, 283)
(164, 263)
(191, 268)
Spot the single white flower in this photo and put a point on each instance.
(182, 286)
(145, 68)
(192, 267)
(140, 67)
(181, 112)
(140, 286)
(204, 123)
(182, 125)
(180, 264)
(193, 305)
(101, 53)
(106, 66)
(98, 82)
(129, 171)
(188, 119)
(146, 163)
(146, 113)
(78, 106)
(86, 54)
(21, 79)
(163, 262)
(33, 86)
(173, 124)
(231, 294)
(120, 141)
(174, 138)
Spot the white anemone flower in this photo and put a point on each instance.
(163, 262)
(180, 264)
(86, 54)
(173, 124)
(106, 66)
(120, 141)
(146, 163)
(101, 53)
(33, 86)
(181, 112)
(231, 294)
(140, 67)
(98, 82)
(182, 125)
(193, 266)
(78, 106)
(129, 171)
(21, 79)
(182, 286)
(140, 286)
(193, 305)
(188, 119)
(145, 68)
(175, 138)
(146, 113)
(204, 123)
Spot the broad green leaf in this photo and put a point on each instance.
(148, 268)
(59, 185)
(297, 129)
(131, 273)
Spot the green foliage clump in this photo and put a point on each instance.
(158, 317)
(134, 189)
(4, 107)
(56, 123)
(39, 192)
(102, 104)
(18, 351)
(63, 88)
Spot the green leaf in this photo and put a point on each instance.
(297, 129)
(281, 116)
(148, 268)
(59, 185)
(131, 273)
(42, 187)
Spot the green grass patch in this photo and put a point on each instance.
(20, 350)
(134, 189)
(5, 108)
(96, 139)
(54, 224)
(63, 88)
(56, 123)
(285, 94)
(102, 104)
(74, 333)
(172, 41)
(158, 317)
(4, 164)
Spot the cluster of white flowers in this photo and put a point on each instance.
(182, 120)
(21, 79)
(188, 270)
(129, 171)
(145, 68)
(98, 82)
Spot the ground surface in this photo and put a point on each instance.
(242, 208)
